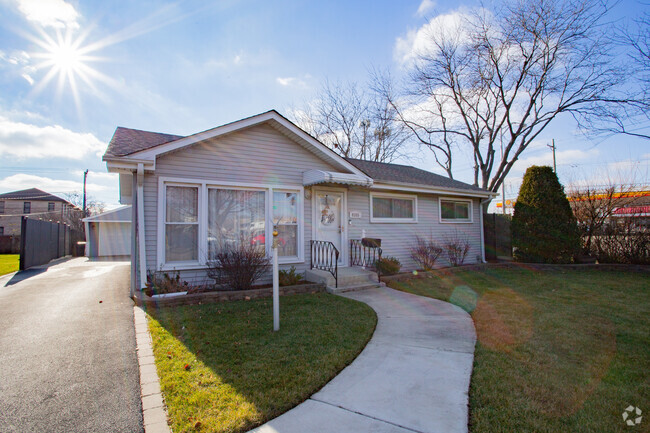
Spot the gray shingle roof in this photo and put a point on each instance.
(126, 141)
(31, 194)
(385, 172)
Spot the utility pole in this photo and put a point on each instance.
(503, 183)
(84, 207)
(553, 147)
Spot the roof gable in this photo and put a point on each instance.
(141, 145)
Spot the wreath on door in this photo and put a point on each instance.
(327, 215)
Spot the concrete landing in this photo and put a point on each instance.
(349, 279)
(413, 376)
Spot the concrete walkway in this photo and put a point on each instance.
(413, 376)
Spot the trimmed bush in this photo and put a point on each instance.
(388, 265)
(544, 229)
(290, 277)
(425, 252)
(237, 267)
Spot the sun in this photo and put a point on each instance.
(66, 59)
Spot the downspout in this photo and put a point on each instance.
(481, 203)
(142, 257)
(87, 246)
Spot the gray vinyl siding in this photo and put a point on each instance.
(257, 155)
(397, 238)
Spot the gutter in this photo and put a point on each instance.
(140, 210)
(402, 186)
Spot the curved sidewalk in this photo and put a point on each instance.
(413, 376)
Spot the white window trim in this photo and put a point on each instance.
(412, 197)
(456, 221)
(203, 185)
(300, 236)
(162, 218)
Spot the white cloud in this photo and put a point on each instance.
(53, 186)
(49, 13)
(23, 141)
(293, 81)
(285, 81)
(419, 42)
(425, 7)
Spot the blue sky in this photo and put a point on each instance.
(182, 67)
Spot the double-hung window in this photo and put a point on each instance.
(393, 208)
(455, 210)
(50, 207)
(181, 223)
(27, 207)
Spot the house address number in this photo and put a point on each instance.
(355, 214)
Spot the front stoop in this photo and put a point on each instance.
(350, 279)
(154, 412)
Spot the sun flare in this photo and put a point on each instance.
(66, 59)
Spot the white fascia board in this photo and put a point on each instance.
(398, 186)
(127, 165)
(320, 147)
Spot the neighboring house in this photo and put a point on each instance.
(192, 195)
(108, 234)
(32, 203)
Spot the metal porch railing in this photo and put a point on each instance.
(325, 256)
(366, 253)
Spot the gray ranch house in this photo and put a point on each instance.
(192, 195)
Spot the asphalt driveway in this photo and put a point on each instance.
(67, 350)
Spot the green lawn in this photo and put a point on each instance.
(558, 350)
(239, 372)
(8, 263)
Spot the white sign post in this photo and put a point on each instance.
(276, 283)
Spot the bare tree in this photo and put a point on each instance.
(74, 216)
(503, 76)
(594, 206)
(355, 123)
(635, 39)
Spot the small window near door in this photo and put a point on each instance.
(27, 207)
(50, 207)
(455, 211)
(285, 216)
(393, 208)
(2, 231)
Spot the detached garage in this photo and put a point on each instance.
(109, 234)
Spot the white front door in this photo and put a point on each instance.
(329, 221)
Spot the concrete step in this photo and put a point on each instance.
(354, 288)
(348, 277)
